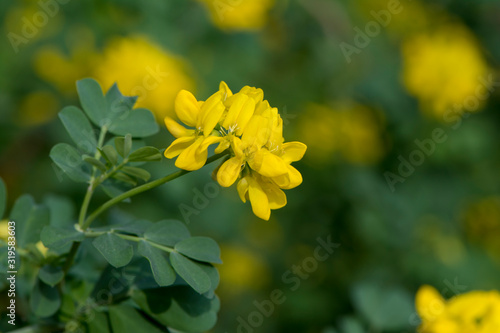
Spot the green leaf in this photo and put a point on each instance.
(55, 237)
(30, 219)
(137, 227)
(127, 144)
(69, 160)
(51, 275)
(179, 307)
(109, 154)
(79, 128)
(200, 248)
(123, 145)
(162, 271)
(190, 272)
(119, 105)
(124, 178)
(138, 122)
(167, 232)
(93, 101)
(98, 323)
(45, 300)
(213, 273)
(119, 144)
(137, 172)
(3, 198)
(95, 162)
(117, 251)
(145, 154)
(61, 210)
(126, 319)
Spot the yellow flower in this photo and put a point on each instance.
(252, 133)
(350, 130)
(191, 144)
(240, 14)
(472, 312)
(37, 108)
(443, 69)
(63, 70)
(482, 224)
(144, 69)
(243, 270)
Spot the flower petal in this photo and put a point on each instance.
(233, 112)
(242, 188)
(293, 151)
(209, 141)
(276, 197)
(224, 88)
(187, 108)
(229, 171)
(258, 199)
(176, 129)
(178, 146)
(429, 303)
(191, 158)
(257, 131)
(210, 113)
(269, 165)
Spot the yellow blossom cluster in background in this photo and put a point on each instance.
(443, 68)
(482, 224)
(140, 67)
(242, 271)
(472, 312)
(239, 15)
(349, 130)
(245, 125)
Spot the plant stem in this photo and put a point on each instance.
(85, 205)
(92, 185)
(140, 189)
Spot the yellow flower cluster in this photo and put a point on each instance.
(350, 130)
(239, 15)
(472, 312)
(142, 68)
(251, 130)
(139, 67)
(444, 68)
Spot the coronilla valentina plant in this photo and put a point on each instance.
(251, 132)
(139, 275)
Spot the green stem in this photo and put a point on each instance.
(128, 237)
(140, 189)
(92, 184)
(85, 205)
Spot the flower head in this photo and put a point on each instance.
(475, 311)
(251, 131)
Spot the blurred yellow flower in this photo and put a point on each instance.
(443, 69)
(349, 130)
(239, 14)
(242, 270)
(63, 70)
(142, 68)
(37, 108)
(482, 224)
(4, 230)
(472, 312)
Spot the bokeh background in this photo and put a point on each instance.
(397, 101)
